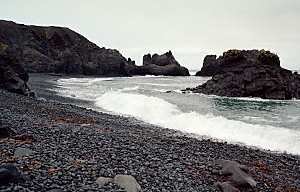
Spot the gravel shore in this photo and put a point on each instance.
(70, 147)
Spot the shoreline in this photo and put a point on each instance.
(82, 145)
(38, 80)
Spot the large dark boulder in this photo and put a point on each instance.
(13, 77)
(251, 73)
(165, 64)
(9, 174)
(61, 50)
(5, 131)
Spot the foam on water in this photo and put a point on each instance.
(130, 88)
(86, 81)
(160, 112)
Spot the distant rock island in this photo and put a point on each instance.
(210, 66)
(37, 49)
(164, 64)
(248, 73)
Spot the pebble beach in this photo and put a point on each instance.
(60, 145)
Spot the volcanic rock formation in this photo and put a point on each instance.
(61, 50)
(251, 73)
(165, 64)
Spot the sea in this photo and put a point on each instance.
(266, 124)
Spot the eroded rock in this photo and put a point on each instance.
(251, 73)
(164, 64)
(210, 66)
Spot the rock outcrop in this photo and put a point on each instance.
(13, 77)
(165, 64)
(61, 50)
(251, 73)
(210, 66)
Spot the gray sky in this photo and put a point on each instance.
(190, 28)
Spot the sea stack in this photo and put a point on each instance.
(164, 64)
(251, 73)
(210, 66)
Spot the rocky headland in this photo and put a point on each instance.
(37, 49)
(61, 50)
(248, 73)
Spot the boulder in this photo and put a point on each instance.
(4, 131)
(9, 174)
(238, 173)
(251, 73)
(237, 177)
(61, 50)
(102, 181)
(165, 64)
(127, 182)
(22, 152)
(226, 187)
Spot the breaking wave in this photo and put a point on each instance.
(160, 112)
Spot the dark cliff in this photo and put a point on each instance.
(61, 50)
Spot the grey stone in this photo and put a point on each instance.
(127, 182)
(226, 187)
(22, 151)
(101, 181)
(237, 172)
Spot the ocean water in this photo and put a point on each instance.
(267, 124)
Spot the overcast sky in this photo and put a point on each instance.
(190, 28)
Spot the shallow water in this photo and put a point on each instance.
(267, 124)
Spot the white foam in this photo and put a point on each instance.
(130, 88)
(159, 112)
(255, 99)
(87, 81)
(160, 90)
(158, 84)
